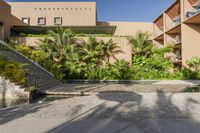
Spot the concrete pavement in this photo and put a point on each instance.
(108, 112)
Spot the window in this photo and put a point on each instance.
(41, 21)
(58, 21)
(26, 20)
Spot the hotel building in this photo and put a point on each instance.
(178, 25)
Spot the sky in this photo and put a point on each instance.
(125, 10)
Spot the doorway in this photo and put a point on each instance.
(1, 30)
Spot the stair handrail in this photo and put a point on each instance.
(6, 45)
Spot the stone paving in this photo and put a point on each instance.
(110, 112)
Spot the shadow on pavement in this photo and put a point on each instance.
(13, 113)
(128, 112)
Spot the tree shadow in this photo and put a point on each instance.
(128, 112)
(83, 88)
(13, 113)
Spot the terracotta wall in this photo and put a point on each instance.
(122, 42)
(5, 18)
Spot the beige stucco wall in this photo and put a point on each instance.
(157, 32)
(190, 42)
(72, 13)
(5, 16)
(122, 42)
(129, 28)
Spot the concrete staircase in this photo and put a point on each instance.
(10, 90)
(37, 76)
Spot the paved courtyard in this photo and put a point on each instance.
(108, 112)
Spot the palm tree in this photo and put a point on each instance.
(141, 44)
(110, 49)
(91, 51)
(58, 43)
(48, 52)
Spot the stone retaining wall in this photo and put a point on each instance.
(10, 90)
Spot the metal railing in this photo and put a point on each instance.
(29, 60)
(36, 75)
(176, 21)
(193, 12)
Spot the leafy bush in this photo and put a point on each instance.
(194, 63)
(120, 70)
(12, 70)
(149, 61)
(67, 57)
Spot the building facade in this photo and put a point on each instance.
(81, 17)
(56, 13)
(5, 20)
(178, 25)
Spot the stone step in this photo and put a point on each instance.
(43, 78)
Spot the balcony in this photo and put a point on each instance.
(177, 56)
(177, 59)
(177, 45)
(177, 41)
(158, 27)
(176, 22)
(159, 36)
(193, 15)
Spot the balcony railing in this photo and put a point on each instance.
(193, 12)
(177, 39)
(176, 21)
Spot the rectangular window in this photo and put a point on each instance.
(41, 21)
(58, 21)
(26, 20)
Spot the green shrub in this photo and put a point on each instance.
(60, 54)
(13, 71)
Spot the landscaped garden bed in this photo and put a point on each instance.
(68, 57)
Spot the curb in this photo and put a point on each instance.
(158, 82)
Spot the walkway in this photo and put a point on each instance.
(108, 112)
(88, 89)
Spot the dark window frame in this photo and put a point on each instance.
(57, 18)
(39, 21)
(26, 18)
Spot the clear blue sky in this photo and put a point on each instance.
(126, 10)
